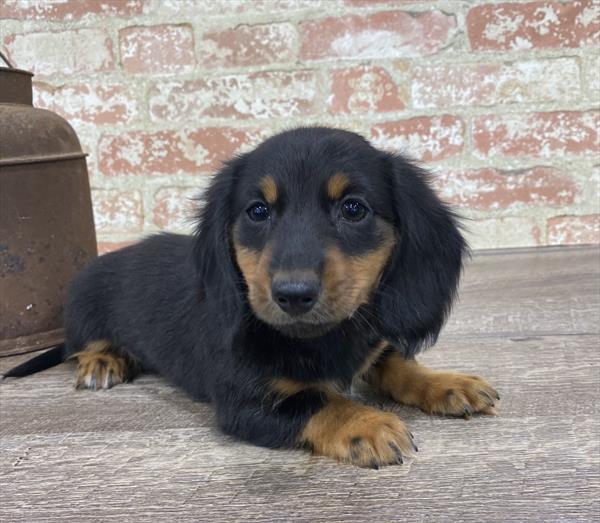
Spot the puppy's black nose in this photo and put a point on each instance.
(295, 297)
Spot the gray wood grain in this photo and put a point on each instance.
(527, 321)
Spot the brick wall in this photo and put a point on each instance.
(500, 99)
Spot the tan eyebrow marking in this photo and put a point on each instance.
(336, 185)
(269, 189)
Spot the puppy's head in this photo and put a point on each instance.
(322, 228)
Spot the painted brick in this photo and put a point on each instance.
(175, 208)
(105, 247)
(593, 77)
(533, 25)
(537, 134)
(87, 103)
(516, 231)
(490, 84)
(117, 211)
(234, 7)
(388, 34)
(66, 10)
(369, 3)
(66, 52)
(256, 95)
(423, 138)
(590, 186)
(250, 45)
(490, 189)
(158, 49)
(568, 230)
(363, 90)
(107, 112)
(144, 153)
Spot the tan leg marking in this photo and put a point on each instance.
(100, 367)
(449, 393)
(357, 434)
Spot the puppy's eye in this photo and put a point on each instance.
(353, 211)
(258, 212)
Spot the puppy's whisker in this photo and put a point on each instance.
(361, 316)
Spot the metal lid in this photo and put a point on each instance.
(28, 134)
(31, 135)
(15, 85)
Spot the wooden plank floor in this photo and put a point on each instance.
(527, 320)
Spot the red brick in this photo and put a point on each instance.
(175, 208)
(363, 90)
(487, 189)
(159, 49)
(534, 25)
(493, 83)
(256, 95)
(388, 34)
(423, 138)
(65, 52)
(537, 134)
(66, 10)
(250, 45)
(105, 247)
(87, 102)
(117, 211)
(145, 153)
(568, 230)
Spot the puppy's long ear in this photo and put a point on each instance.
(217, 273)
(419, 284)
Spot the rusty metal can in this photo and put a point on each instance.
(46, 222)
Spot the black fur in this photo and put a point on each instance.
(43, 361)
(418, 287)
(179, 304)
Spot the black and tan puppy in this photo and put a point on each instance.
(318, 259)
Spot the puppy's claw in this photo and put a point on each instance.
(489, 400)
(398, 453)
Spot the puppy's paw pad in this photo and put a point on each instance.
(455, 394)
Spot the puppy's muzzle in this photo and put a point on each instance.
(296, 296)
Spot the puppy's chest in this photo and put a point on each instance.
(339, 378)
(340, 361)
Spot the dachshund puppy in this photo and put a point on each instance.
(317, 260)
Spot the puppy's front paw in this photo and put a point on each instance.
(455, 394)
(361, 435)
